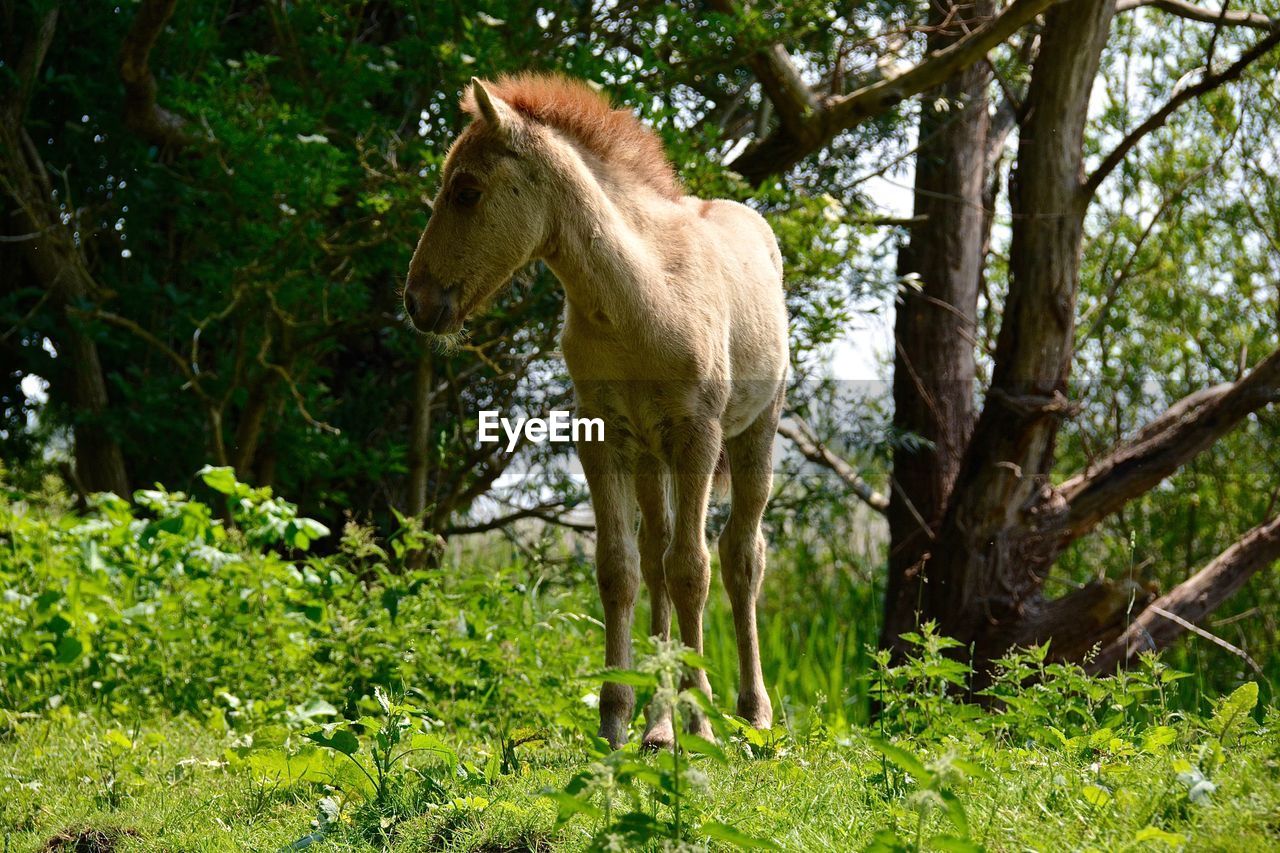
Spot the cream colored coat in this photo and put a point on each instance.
(675, 335)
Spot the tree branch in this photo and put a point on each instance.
(1186, 429)
(810, 448)
(142, 114)
(1207, 84)
(794, 140)
(1182, 9)
(29, 65)
(540, 513)
(780, 79)
(1162, 622)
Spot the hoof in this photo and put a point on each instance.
(614, 732)
(756, 710)
(659, 736)
(699, 725)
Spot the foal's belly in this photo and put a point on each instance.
(650, 395)
(652, 416)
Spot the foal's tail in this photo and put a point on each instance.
(720, 480)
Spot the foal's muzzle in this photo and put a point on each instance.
(431, 308)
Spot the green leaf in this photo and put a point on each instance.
(729, 835)
(68, 649)
(1155, 833)
(1155, 740)
(702, 746)
(567, 805)
(1097, 795)
(905, 760)
(221, 479)
(1235, 707)
(955, 812)
(341, 740)
(117, 738)
(311, 710)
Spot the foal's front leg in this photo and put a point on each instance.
(610, 479)
(687, 564)
(655, 535)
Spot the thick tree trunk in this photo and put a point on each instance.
(936, 322)
(56, 262)
(98, 457)
(987, 561)
(250, 429)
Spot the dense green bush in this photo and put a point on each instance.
(163, 605)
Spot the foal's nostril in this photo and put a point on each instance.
(410, 304)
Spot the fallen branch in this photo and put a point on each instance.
(1187, 604)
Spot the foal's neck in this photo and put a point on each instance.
(609, 245)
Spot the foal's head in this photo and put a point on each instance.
(489, 218)
(499, 199)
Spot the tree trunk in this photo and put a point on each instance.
(988, 561)
(934, 366)
(420, 436)
(58, 264)
(99, 460)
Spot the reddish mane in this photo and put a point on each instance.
(575, 109)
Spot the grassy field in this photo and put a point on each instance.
(169, 785)
(173, 681)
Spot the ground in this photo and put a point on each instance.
(169, 785)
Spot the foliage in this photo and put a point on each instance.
(229, 690)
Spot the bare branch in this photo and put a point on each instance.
(1190, 602)
(142, 114)
(1182, 9)
(1187, 428)
(1207, 84)
(812, 449)
(544, 514)
(793, 141)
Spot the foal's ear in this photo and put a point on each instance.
(493, 109)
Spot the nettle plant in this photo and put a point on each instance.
(378, 770)
(91, 604)
(635, 799)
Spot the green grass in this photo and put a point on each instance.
(170, 681)
(177, 792)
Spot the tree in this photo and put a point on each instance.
(977, 518)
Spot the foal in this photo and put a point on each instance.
(675, 335)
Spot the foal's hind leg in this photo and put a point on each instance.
(742, 552)
(655, 534)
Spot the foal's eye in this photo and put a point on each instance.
(466, 196)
